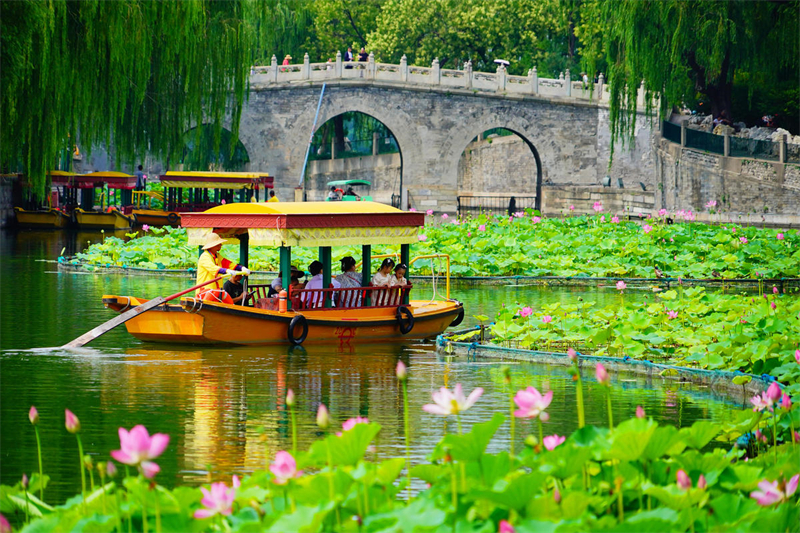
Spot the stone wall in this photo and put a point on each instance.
(557, 200)
(382, 170)
(688, 179)
(502, 165)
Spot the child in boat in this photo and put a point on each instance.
(382, 278)
(235, 289)
(398, 278)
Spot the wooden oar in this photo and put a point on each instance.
(127, 315)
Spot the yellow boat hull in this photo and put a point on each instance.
(114, 219)
(51, 218)
(203, 322)
(155, 217)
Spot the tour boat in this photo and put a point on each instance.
(49, 217)
(328, 315)
(203, 190)
(111, 218)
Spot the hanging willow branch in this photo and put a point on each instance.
(132, 74)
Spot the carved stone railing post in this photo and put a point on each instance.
(501, 78)
(273, 69)
(568, 81)
(306, 67)
(726, 141)
(782, 149)
(404, 68)
(338, 67)
(599, 87)
(683, 133)
(640, 95)
(436, 75)
(371, 69)
(533, 80)
(468, 74)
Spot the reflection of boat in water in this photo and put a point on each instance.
(325, 315)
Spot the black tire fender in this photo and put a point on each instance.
(458, 319)
(407, 322)
(173, 218)
(298, 320)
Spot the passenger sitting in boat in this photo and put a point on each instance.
(333, 196)
(316, 299)
(398, 278)
(382, 278)
(277, 284)
(349, 278)
(210, 266)
(234, 288)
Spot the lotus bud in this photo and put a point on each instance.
(111, 469)
(701, 482)
(602, 375)
(87, 462)
(572, 354)
(531, 441)
(507, 374)
(505, 527)
(25, 481)
(33, 415)
(290, 398)
(323, 417)
(557, 495)
(71, 422)
(639, 411)
(774, 290)
(786, 401)
(684, 481)
(101, 469)
(774, 392)
(772, 305)
(401, 372)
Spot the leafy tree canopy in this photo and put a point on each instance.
(683, 50)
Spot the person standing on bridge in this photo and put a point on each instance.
(363, 55)
(348, 56)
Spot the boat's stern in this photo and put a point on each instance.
(165, 323)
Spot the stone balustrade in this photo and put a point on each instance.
(434, 77)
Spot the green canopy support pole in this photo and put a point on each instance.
(405, 258)
(244, 249)
(325, 259)
(286, 271)
(366, 271)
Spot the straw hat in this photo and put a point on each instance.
(288, 56)
(213, 240)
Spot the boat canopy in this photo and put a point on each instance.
(217, 180)
(114, 180)
(348, 183)
(306, 223)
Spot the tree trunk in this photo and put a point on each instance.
(719, 97)
(338, 132)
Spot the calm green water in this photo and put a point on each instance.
(215, 402)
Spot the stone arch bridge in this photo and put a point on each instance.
(434, 114)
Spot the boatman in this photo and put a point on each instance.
(210, 266)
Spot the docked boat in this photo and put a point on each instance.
(105, 218)
(325, 315)
(49, 217)
(196, 191)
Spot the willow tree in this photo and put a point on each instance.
(132, 74)
(682, 48)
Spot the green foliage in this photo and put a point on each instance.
(598, 480)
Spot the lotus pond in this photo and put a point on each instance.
(527, 245)
(226, 413)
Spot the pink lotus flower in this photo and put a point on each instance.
(323, 417)
(772, 305)
(603, 218)
(547, 319)
(551, 442)
(532, 403)
(218, 500)
(772, 492)
(5, 527)
(602, 375)
(572, 208)
(621, 286)
(525, 311)
(350, 423)
(138, 448)
(639, 411)
(519, 214)
(701, 482)
(423, 237)
(223, 202)
(743, 240)
(452, 403)
(572, 355)
(760, 402)
(33, 415)
(647, 228)
(711, 204)
(505, 527)
(429, 212)
(401, 371)
(111, 469)
(662, 212)
(482, 227)
(290, 398)
(469, 234)
(760, 436)
(774, 290)
(615, 219)
(412, 210)
(672, 314)
(774, 392)
(71, 421)
(444, 215)
(797, 356)
(779, 236)
(145, 227)
(536, 220)
(684, 481)
(284, 468)
(598, 206)
(786, 402)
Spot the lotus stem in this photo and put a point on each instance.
(775, 435)
(83, 474)
(330, 486)
(407, 432)
(158, 512)
(541, 433)
(27, 505)
(144, 512)
(513, 421)
(41, 471)
(579, 397)
(610, 411)
(294, 431)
